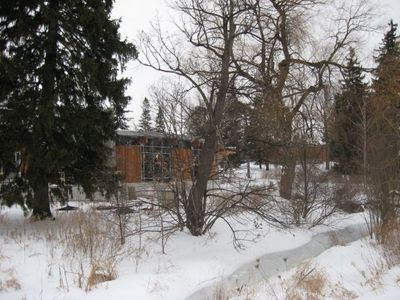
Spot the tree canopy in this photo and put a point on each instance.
(63, 100)
(145, 118)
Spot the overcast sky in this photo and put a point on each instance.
(137, 14)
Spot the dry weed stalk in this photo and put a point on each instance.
(388, 238)
(11, 283)
(100, 272)
(307, 283)
(91, 247)
(376, 267)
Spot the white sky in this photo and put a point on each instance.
(137, 14)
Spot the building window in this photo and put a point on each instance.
(155, 163)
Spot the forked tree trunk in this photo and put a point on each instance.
(195, 210)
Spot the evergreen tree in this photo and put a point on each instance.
(390, 45)
(145, 118)
(388, 68)
(384, 145)
(64, 100)
(196, 122)
(160, 121)
(346, 143)
(263, 130)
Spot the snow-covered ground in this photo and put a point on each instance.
(357, 270)
(63, 259)
(36, 260)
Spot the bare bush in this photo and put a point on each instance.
(345, 196)
(388, 234)
(90, 244)
(99, 273)
(313, 197)
(11, 282)
(307, 283)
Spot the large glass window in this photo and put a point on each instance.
(156, 163)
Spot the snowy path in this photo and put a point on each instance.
(251, 274)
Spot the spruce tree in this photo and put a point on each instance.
(160, 121)
(347, 143)
(384, 146)
(63, 100)
(145, 118)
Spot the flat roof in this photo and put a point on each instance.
(151, 134)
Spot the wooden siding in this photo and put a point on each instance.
(182, 163)
(128, 162)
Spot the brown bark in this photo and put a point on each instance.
(195, 211)
(41, 203)
(45, 123)
(288, 173)
(197, 198)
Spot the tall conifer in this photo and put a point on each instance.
(145, 118)
(347, 142)
(160, 121)
(64, 98)
(384, 146)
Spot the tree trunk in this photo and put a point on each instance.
(289, 159)
(41, 203)
(45, 122)
(288, 173)
(248, 175)
(327, 157)
(195, 211)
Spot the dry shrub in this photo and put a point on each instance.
(340, 292)
(312, 200)
(376, 266)
(11, 283)
(388, 237)
(307, 283)
(91, 248)
(345, 194)
(100, 272)
(373, 276)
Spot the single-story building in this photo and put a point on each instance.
(152, 156)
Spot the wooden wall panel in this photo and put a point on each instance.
(182, 163)
(128, 162)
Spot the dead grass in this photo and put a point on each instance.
(11, 283)
(376, 266)
(83, 247)
(388, 238)
(307, 283)
(311, 283)
(99, 273)
(338, 291)
(92, 247)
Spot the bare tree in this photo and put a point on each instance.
(285, 63)
(172, 97)
(203, 58)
